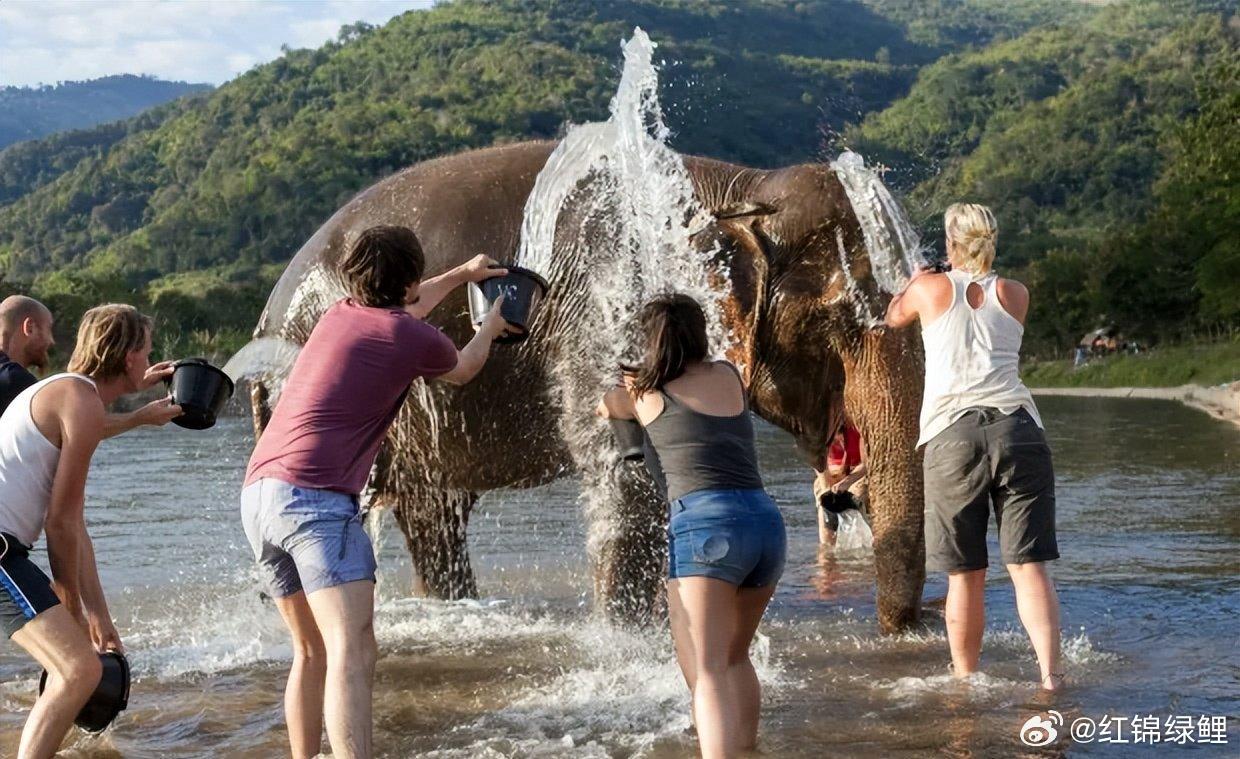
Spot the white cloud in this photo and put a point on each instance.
(46, 41)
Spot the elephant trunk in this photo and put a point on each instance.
(628, 545)
(882, 394)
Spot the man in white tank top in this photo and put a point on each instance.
(48, 436)
(983, 440)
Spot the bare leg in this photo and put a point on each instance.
(682, 640)
(345, 616)
(1038, 605)
(826, 535)
(303, 695)
(711, 608)
(741, 675)
(965, 611)
(56, 641)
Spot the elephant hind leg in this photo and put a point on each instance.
(434, 524)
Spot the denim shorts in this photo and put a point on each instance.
(305, 539)
(732, 535)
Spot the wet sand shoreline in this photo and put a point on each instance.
(1221, 401)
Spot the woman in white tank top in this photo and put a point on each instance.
(983, 440)
(48, 435)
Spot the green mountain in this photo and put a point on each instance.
(1072, 135)
(27, 113)
(190, 210)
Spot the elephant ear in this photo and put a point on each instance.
(740, 254)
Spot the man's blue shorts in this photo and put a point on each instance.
(305, 539)
(732, 535)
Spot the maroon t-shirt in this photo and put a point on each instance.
(343, 393)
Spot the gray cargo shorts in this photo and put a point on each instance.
(989, 457)
(305, 539)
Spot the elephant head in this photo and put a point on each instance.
(803, 310)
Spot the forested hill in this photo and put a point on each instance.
(1110, 151)
(191, 209)
(27, 113)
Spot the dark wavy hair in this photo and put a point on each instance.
(673, 333)
(381, 264)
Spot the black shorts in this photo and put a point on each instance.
(988, 458)
(25, 592)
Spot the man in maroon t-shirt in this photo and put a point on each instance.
(299, 504)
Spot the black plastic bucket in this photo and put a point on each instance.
(201, 390)
(629, 437)
(111, 695)
(522, 289)
(837, 503)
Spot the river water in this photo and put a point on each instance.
(1149, 525)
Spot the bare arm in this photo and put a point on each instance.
(904, 307)
(1014, 297)
(157, 413)
(616, 404)
(81, 428)
(98, 619)
(431, 292)
(471, 358)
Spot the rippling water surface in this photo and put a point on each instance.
(1149, 520)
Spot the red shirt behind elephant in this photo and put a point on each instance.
(343, 393)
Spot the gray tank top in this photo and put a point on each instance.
(698, 451)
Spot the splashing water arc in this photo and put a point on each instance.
(893, 246)
(639, 206)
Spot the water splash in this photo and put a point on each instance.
(894, 248)
(633, 213)
(268, 359)
(610, 222)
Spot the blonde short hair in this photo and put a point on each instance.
(972, 227)
(105, 338)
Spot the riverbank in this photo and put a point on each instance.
(1205, 376)
(1207, 364)
(1220, 402)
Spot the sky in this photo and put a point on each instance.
(46, 41)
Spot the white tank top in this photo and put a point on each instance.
(972, 359)
(27, 466)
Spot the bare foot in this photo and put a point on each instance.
(1053, 682)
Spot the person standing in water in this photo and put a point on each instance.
(48, 436)
(726, 539)
(26, 339)
(983, 442)
(299, 505)
(844, 485)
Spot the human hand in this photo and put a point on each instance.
(493, 324)
(480, 267)
(103, 634)
(158, 413)
(157, 373)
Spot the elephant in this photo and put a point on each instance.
(794, 252)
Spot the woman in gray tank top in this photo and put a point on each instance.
(726, 540)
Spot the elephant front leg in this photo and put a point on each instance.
(882, 394)
(627, 543)
(434, 524)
